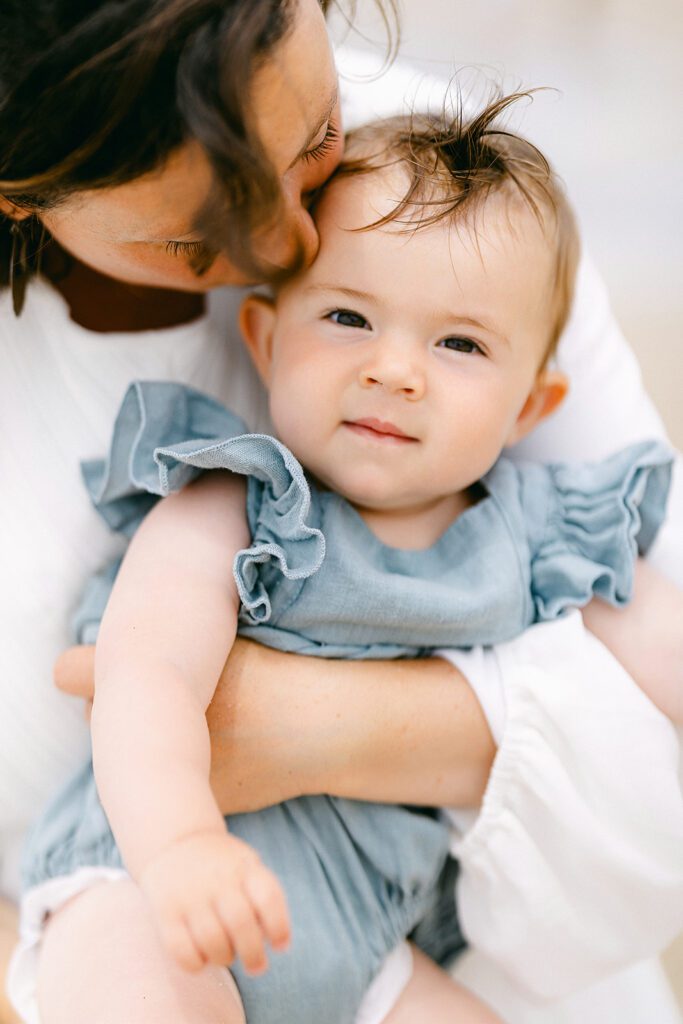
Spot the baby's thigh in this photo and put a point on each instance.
(102, 962)
(357, 877)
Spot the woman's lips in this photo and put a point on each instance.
(379, 430)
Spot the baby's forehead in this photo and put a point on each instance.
(355, 202)
(492, 255)
(374, 204)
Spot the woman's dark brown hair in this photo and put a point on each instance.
(96, 94)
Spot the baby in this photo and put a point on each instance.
(399, 366)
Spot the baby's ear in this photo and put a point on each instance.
(257, 324)
(547, 394)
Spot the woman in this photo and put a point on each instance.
(151, 153)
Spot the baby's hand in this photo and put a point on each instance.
(214, 901)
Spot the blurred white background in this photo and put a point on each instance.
(613, 130)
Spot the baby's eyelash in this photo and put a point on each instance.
(461, 344)
(327, 144)
(184, 248)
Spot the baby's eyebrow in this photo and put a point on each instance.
(470, 321)
(352, 293)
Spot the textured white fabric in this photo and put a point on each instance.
(637, 995)
(574, 867)
(59, 388)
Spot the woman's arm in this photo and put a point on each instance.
(283, 725)
(646, 637)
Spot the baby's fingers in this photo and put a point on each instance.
(245, 931)
(179, 942)
(270, 905)
(210, 937)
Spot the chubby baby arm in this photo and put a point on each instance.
(166, 633)
(647, 637)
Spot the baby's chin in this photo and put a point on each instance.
(367, 495)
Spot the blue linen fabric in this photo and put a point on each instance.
(315, 580)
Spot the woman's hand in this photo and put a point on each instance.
(283, 726)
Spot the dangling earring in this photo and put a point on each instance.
(17, 268)
(22, 263)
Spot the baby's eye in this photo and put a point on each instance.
(457, 344)
(347, 318)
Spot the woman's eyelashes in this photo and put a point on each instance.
(455, 343)
(199, 257)
(326, 145)
(185, 248)
(348, 318)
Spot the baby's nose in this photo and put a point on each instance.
(396, 374)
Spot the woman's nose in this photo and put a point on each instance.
(295, 240)
(299, 241)
(396, 372)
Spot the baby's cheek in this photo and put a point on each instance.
(290, 413)
(481, 445)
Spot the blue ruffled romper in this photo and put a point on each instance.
(359, 877)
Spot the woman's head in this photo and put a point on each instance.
(129, 128)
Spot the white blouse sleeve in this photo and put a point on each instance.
(574, 867)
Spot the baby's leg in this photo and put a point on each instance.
(433, 995)
(102, 963)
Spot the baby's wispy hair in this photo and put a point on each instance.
(453, 162)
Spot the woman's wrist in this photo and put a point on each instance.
(405, 732)
(390, 731)
(481, 668)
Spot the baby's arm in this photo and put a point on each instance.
(166, 633)
(647, 637)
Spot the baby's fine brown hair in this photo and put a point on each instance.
(454, 163)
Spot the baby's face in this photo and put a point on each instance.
(400, 363)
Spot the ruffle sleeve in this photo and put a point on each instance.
(596, 519)
(164, 436)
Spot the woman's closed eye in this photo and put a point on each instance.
(455, 343)
(348, 318)
(185, 248)
(199, 257)
(325, 146)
